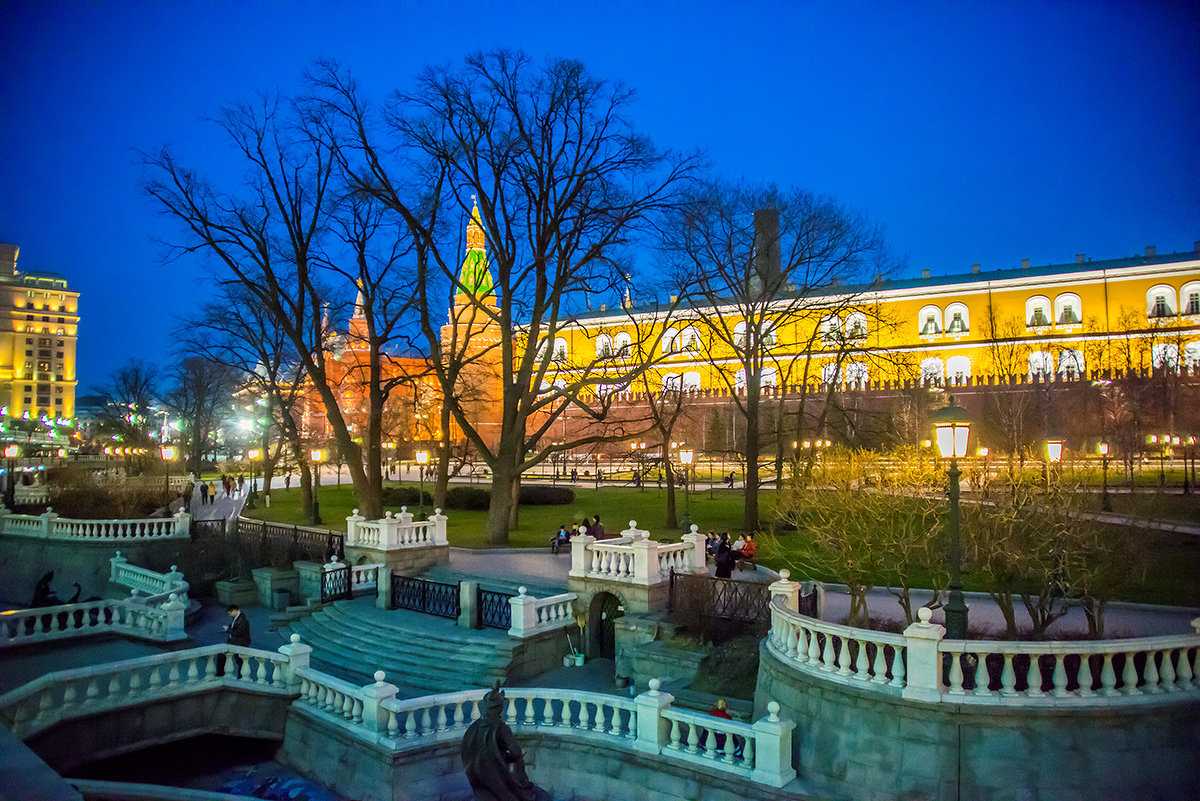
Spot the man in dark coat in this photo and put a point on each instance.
(493, 759)
(238, 631)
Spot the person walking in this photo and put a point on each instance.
(287, 480)
(203, 494)
(212, 493)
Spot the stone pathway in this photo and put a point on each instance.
(222, 507)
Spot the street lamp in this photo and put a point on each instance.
(951, 430)
(168, 454)
(1053, 448)
(254, 454)
(1161, 442)
(1105, 502)
(316, 456)
(685, 458)
(422, 460)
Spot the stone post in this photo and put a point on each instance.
(308, 579)
(183, 524)
(524, 614)
(698, 558)
(580, 558)
(352, 527)
(48, 518)
(468, 596)
(651, 728)
(634, 533)
(383, 587)
(786, 589)
(113, 566)
(389, 531)
(175, 610)
(439, 527)
(298, 655)
(373, 714)
(924, 674)
(405, 533)
(773, 749)
(645, 562)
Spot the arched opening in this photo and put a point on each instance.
(603, 611)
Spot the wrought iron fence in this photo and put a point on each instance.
(335, 584)
(494, 609)
(720, 609)
(422, 595)
(261, 543)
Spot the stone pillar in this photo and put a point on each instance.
(175, 610)
(352, 527)
(524, 614)
(373, 714)
(645, 562)
(389, 531)
(698, 557)
(113, 566)
(468, 596)
(308, 579)
(48, 518)
(298, 655)
(183, 524)
(635, 533)
(773, 749)
(579, 554)
(651, 728)
(439, 527)
(923, 677)
(787, 589)
(383, 587)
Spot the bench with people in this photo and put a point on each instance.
(728, 556)
(562, 537)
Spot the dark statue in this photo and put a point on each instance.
(493, 760)
(43, 593)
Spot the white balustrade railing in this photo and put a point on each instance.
(532, 616)
(331, 695)
(44, 624)
(31, 494)
(634, 559)
(158, 586)
(50, 526)
(393, 532)
(95, 689)
(844, 653)
(365, 577)
(924, 666)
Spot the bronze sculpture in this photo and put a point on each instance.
(493, 759)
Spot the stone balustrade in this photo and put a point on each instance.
(158, 586)
(44, 624)
(393, 532)
(532, 616)
(331, 695)
(31, 494)
(49, 525)
(749, 750)
(922, 665)
(634, 558)
(365, 577)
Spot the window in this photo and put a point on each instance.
(672, 382)
(604, 346)
(1160, 301)
(689, 339)
(1191, 355)
(769, 338)
(668, 341)
(560, 349)
(769, 377)
(739, 380)
(739, 335)
(856, 373)
(1037, 311)
(932, 371)
(831, 329)
(1068, 309)
(1070, 364)
(691, 381)
(856, 326)
(623, 342)
(830, 374)
(1165, 356)
(958, 369)
(1041, 364)
(1190, 297)
(930, 320)
(959, 319)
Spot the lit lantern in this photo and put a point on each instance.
(951, 430)
(1054, 450)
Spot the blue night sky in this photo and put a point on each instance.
(972, 134)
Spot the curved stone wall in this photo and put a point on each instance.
(860, 744)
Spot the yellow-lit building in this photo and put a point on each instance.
(38, 334)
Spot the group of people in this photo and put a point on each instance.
(729, 555)
(592, 526)
(230, 486)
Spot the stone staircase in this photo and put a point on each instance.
(421, 654)
(536, 586)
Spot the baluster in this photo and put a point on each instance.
(748, 751)
(476, 713)
(827, 653)
(721, 745)
(797, 645)
(1150, 674)
(45, 704)
(441, 724)
(879, 665)
(844, 657)
(693, 738)
(71, 691)
(956, 674)
(982, 680)
(423, 720)
(1196, 667)
(862, 663)
(1033, 677)
(597, 718)
(155, 679)
(114, 686)
(675, 733)
(1184, 676)
(814, 647)
(1167, 672)
(631, 725)
(1086, 675)
(1059, 677)
(261, 676)
(245, 671)
(614, 721)
(193, 671)
(357, 712)
(347, 706)
(92, 692)
(1008, 676)
(897, 667)
(1129, 677)
(1108, 676)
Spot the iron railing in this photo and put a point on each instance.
(494, 609)
(422, 595)
(719, 609)
(335, 584)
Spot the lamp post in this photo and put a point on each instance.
(1053, 448)
(1105, 501)
(951, 430)
(316, 456)
(1161, 442)
(686, 456)
(422, 460)
(1177, 441)
(254, 455)
(168, 453)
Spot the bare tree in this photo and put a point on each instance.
(129, 398)
(200, 391)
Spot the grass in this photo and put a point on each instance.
(1174, 558)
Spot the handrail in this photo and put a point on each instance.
(849, 654)
(121, 616)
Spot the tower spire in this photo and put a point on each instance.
(475, 276)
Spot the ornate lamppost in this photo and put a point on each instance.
(1102, 448)
(422, 458)
(952, 430)
(686, 457)
(316, 456)
(168, 453)
(1053, 449)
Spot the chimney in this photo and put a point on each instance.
(925, 273)
(975, 268)
(1080, 258)
(1151, 251)
(1024, 264)
(603, 307)
(8, 258)
(766, 246)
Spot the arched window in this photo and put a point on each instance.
(769, 377)
(672, 382)
(830, 329)
(622, 344)
(856, 326)
(668, 341)
(932, 371)
(688, 339)
(1068, 310)
(958, 319)
(604, 346)
(1189, 298)
(1160, 301)
(1037, 311)
(1041, 364)
(929, 321)
(830, 374)
(739, 335)
(691, 380)
(1070, 364)
(1165, 356)
(857, 373)
(1191, 355)
(560, 349)
(770, 335)
(958, 369)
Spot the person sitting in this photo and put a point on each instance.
(596, 529)
(738, 543)
(749, 550)
(560, 538)
(719, 710)
(710, 543)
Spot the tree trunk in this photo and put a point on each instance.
(442, 481)
(751, 452)
(672, 522)
(500, 509)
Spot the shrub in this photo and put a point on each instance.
(546, 495)
(469, 498)
(404, 496)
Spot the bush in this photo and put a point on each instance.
(404, 496)
(468, 498)
(546, 495)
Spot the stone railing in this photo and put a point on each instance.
(83, 692)
(47, 623)
(31, 494)
(157, 586)
(365, 577)
(392, 532)
(532, 616)
(921, 665)
(50, 526)
(634, 559)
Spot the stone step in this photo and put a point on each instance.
(537, 587)
(336, 628)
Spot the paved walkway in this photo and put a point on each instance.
(222, 507)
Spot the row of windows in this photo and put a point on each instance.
(1161, 301)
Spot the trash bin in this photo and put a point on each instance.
(280, 599)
